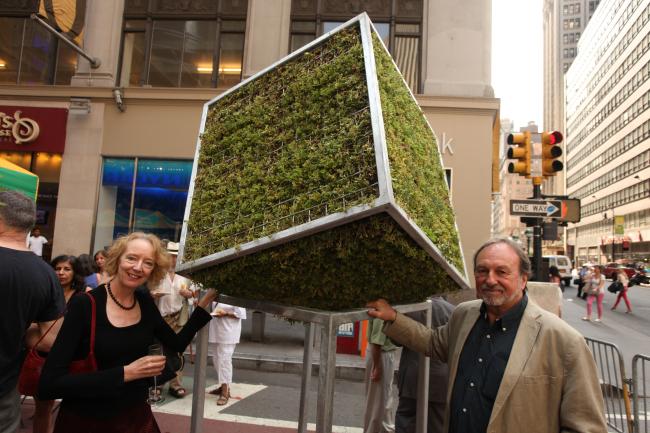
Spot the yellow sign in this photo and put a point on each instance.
(619, 225)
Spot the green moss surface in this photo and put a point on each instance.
(419, 183)
(289, 147)
(295, 145)
(340, 269)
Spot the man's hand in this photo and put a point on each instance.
(381, 309)
(375, 373)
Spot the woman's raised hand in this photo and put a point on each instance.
(206, 300)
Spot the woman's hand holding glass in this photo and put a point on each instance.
(147, 366)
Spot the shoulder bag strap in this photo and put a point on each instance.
(46, 332)
(93, 319)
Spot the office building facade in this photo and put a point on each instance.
(608, 135)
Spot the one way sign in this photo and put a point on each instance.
(536, 208)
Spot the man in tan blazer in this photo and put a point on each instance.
(513, 367)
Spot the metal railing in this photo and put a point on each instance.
(640, 370)
(614, 385)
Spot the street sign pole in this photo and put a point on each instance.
(537, 236)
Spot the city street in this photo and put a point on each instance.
(630, 332)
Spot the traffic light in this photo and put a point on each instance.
(520, 151)
(551, 151)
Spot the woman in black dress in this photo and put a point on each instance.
(114, 398)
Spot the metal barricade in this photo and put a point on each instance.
(640, 370)
(614, 385)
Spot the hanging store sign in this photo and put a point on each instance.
(619, 224)
(32, 129)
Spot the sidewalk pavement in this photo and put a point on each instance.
(283, 348)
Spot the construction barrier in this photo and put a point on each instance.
(640, 370)
(614, 385)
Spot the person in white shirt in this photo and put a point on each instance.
(36, 242)
(171, 299)
(225, 330)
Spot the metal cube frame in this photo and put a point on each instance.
(385, 203)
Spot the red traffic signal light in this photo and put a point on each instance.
(551, 152)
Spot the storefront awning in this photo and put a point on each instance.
(16, 178)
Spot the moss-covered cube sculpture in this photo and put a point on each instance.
(318, 183)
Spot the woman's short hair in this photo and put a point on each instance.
(160, 256)
(78, 283)
(87, 265)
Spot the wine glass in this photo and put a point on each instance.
(154, 396)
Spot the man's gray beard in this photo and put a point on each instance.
(497, 301)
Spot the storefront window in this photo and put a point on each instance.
(29, 54)
(141, 195)
(398, 25)
(183, 44)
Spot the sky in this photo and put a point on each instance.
(517, 53)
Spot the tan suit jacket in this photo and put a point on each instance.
(550, 383)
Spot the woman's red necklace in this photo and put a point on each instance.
(108, 288)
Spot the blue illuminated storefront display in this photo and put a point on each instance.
(142, 195)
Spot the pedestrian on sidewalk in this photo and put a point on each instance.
(407, 377)
(171, 297)
(622, 278)
(595, 290)
(113, 399)
(555, 277)
(513, 367)
(225, 332)
(583, 277)
(381, 402)
(30, 293)
(36, 242)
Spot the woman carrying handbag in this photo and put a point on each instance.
(594, 290)
(625, 283)
(113, 399)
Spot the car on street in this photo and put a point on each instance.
(610, 270)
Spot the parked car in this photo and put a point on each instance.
(563, 264)
(611, 268)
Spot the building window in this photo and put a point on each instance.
(29, 54)
(194, 43)
(399, 24)
(141, 195)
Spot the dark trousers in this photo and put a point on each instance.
(405, 416)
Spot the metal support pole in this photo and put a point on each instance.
(423, 387)
(94, 61)
(306, 377)
(537, 237)
(326, 376)
(198, 395)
